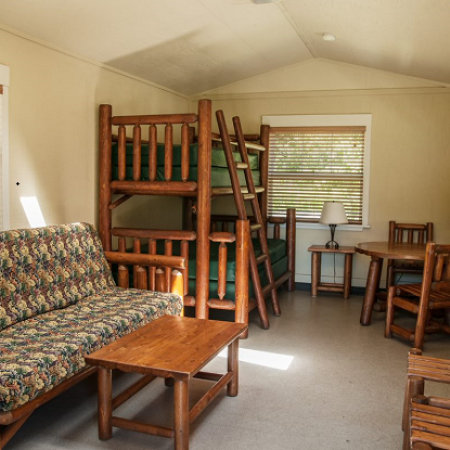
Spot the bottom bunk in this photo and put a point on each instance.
(278, 259)
(225, 278)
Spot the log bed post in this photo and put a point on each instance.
(242, 276)
(264, 171)
(105, 176)
(203, 208)
(291, 231)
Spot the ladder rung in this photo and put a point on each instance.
(249, 145)
(261, 258)
(229, 190)
(266, 290)
(241, 165)
(248, 196)
(255, 226)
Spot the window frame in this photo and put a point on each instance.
(4, 148)
(328, 120)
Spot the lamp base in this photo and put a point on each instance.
(332, 244)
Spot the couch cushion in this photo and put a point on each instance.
(48, 268)
(39, 353)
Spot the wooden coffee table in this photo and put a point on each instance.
(175, 348)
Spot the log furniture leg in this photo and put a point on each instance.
(414, 386)
(104, 403)
(348, 275)
(233, 366)
(373, 281)
(181, 414)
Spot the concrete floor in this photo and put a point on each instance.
(343, 389)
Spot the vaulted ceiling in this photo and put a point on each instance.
(192, 46)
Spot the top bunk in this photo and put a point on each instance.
(137, 166)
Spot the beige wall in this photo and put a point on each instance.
(409, 161)
(54, 100)
(323, 75)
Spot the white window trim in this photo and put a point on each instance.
(329, 121)
(4, 81)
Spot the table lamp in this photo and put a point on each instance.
(333, 213)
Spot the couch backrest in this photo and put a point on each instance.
(48, 268)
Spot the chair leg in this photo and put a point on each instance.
(421, 324)
(390, 311)
(390, 277)
(414, 386)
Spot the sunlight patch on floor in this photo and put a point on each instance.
(261, 358)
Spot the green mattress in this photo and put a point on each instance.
(277, 251)
(278, 258)
(219, 172)
(279, 268)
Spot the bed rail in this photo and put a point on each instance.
(200, 190)
(225, 223)
(153, 278)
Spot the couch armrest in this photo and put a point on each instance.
(155, 279)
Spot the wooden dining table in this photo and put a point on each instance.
(379, 251)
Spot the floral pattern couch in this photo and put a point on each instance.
(59, 302)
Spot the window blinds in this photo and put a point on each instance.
(308, 166)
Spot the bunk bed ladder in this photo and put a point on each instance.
(258, 226)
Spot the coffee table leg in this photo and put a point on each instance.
(181, 414)
(373, 281)
(104, 403)
(233, 366)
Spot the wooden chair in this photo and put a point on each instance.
(426, 420)
(408, 233)
(422, 298)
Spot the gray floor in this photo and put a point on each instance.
(342, 390)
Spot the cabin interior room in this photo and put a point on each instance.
(368, 81)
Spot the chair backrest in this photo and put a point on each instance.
(436, 272)
(410, 232)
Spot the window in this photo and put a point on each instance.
(4, 193)
(314, 159)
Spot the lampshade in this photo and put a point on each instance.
(333, 213)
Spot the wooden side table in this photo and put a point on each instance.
(316, 268)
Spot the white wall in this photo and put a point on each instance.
(4, 148)
(410, 153)
(54, 98)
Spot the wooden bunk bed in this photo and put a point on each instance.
(195, 171)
